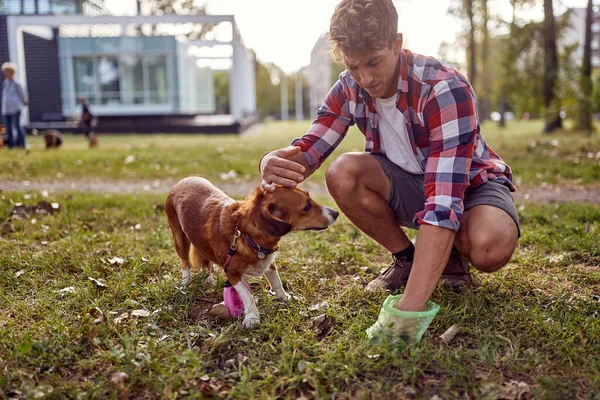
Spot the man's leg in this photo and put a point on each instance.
(487, 237)
(360, 187)
(10, 138)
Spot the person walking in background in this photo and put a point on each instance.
(14, 98)
(86, 122)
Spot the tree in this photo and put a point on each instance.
(180, 7)
(551, 69)
(486, 75)
(584, 121)
(468, 4)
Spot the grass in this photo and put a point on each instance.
(535, 323)
(531, 330)
(534, 158)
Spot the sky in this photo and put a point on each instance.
(284, 31)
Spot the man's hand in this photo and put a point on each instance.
(282, 167)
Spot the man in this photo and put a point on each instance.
(425, 163)
(14, 98)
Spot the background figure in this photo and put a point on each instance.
(14, 98)
(52, 138)
(86, 122)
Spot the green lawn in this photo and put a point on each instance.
(531, 330)
(535, 158)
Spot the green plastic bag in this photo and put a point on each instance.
(393, 325)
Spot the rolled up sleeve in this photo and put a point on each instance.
(328, 129)
(451, 117)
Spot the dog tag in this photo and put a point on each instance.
(261, 255)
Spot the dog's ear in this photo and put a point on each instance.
(274, 222)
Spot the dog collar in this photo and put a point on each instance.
(260, 251)
(232, 248)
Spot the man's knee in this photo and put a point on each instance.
(342, 175)
(488, 254)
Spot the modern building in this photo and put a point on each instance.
(138, 73)
(575, 34)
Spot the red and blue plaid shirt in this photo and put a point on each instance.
(439, 106)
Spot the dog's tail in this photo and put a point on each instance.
(198, 262)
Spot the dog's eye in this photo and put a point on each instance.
(308, 207)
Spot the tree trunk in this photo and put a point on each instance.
(553, 120)
(487, 76)
(507, 65)
(502, 121)
(585, 104)
(471, 50)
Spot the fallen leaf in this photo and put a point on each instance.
(119, 378)
(302, 366)
(321, 326)
(98, 283)
(69, 289)
(140, 313)
(121, 318)
(19, 273)
(97, 314)
(8, 228)
(315, 307)
(205, 378)
(116, 260)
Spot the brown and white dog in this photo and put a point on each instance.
(52, 138)
(241, 236)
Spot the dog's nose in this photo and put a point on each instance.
(334, 213)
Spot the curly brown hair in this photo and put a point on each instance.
(359, 27)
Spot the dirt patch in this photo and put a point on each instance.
(538, 194)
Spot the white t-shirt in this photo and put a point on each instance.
(395, 143)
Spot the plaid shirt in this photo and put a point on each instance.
(439, 106)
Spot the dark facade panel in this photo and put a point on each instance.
(43, 84)
(4, 55)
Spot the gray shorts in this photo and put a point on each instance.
(407, 195)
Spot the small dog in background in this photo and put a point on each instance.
(93, 139)
(241, 236)
(52, 138)
(2, 133)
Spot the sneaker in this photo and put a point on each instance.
(456, 274)
(393, 278)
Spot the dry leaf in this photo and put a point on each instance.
(322, 325)
(140, 313)
(8, 228)
(119, 378)
(121, 318)
(116, 260)
(97, 314)
(98, 283)
(69, 289)
(302, 366)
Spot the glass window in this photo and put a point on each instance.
(85, 81)
(157, 79)
(108, 79)
(43, 6)
(132, 83)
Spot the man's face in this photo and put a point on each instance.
(376, 72)
(9, 73)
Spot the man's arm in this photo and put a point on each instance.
(452, 121)
(434, 245)
(291, 165)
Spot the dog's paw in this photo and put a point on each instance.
(251, 321)
(284, 297)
